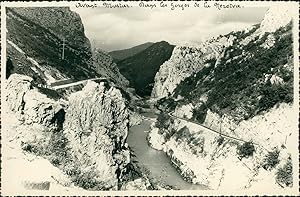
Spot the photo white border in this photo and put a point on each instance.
(295, 155)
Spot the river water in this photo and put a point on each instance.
(157, 162)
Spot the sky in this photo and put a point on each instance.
(115, 29)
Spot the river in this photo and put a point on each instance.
(157, 162)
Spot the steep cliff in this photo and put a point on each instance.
(103, 63)
(229, 115)
(96, 126)
(49, 44)
(188, 60)
(185, 61)
(83, 137)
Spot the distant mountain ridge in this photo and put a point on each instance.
(122, 54)
(141, 68)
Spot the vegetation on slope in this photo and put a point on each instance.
(141, 68)
(44, 45)
(240, 84)
(120, 55)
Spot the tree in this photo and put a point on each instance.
(246, 150)
(9, 68)
(284, 175)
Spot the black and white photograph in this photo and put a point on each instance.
(149, 98)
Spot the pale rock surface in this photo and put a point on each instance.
(140, 184)
(23, 171)
(276, 17)
(96, 126)
(155, 139)
(185, 61)
(134, 118)
(17, 86)
(216, 165)
(28, 103)
(277, 126)
(270, 41)
(184, 111)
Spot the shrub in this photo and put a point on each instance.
(245, 150)
(199, 114)
(284, 175)
(9, 68)
(220, 140)
(162, 121)
(271, 160)
(166, 104)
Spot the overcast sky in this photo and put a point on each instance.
(113, 29)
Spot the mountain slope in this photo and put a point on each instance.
(82, 135)
(229, 102)
(141, 68)
(35, 39)
(34, 44)
(120, 55)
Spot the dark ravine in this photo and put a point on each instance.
(141, 68)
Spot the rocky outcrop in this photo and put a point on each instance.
(96, 126)
(84, 137)
(28, 103)
(205, 157)
(186, 61)
(104, 65)
(276, 17)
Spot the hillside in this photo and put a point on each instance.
(120, 55)
(141, 68)
(79, 137)
(35, 39)
(249, 78)
(229, 102)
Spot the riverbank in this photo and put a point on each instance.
(154, 164)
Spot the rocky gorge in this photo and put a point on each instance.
(221, 113)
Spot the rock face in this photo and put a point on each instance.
(245, 80)
(35, 37)
(225, 99)
(186, 61)
(96, 126)
(204, 157)
(28, 103)
(104, 65)
(49, 44)
(83, 137)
